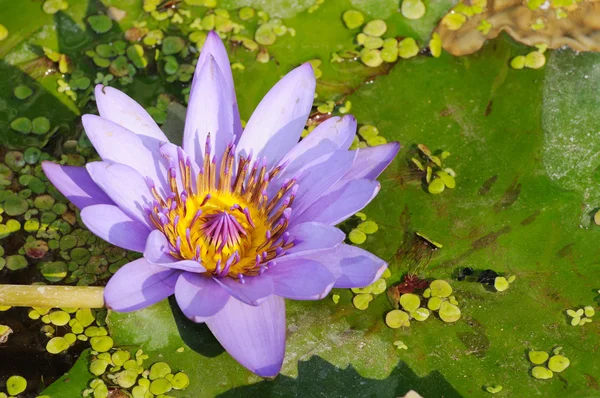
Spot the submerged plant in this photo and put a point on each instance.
(232, 222)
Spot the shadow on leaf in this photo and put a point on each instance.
(319, 378)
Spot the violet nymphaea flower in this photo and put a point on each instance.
(233, 221)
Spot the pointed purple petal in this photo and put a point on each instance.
(157, 252)
(333, 134)
(139, 284)
(352, 266)
(344, 200)
(320, 175)
(209, 112)
(254, 291)
(111, 224)
(125, 186)
(301, 279)
(76, 184)
(116, 144)
(199, 297)
(213, 46)
(371, 161)
(311, 236)
(253, 336)
(277, 122)
(118, 107)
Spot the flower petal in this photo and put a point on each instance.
(116, 144)
(333, 134)
(318, 176)
(254, 291)
(157, 252)
(213, 46)
(118, 107)
(301, 279)
(199, 297)
(209, 112)
(344, 200)
(351, 265)
(311, 236)
(371, 161)
(76, 184)
(139, 284)
(125, 186)
(275, 126)
(111, 224)
(253, 336)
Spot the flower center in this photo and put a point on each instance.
(222, 217)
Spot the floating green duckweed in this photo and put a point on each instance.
(371, 58)
(159, 370)
(378, 287)
(40, 125)
(180, 381)
(98, 366)
(21, 125)
(541, 373)
(589, 311)
(59, 318)
(5, 331)
(376, 27)
(357, 236)
(335, 298)
(407, 48)
(57, 345)
(420, 314)
(440, 288)
(53, 6)
(535, 60)
(494, 389)
(22, 92)
(100, 23)
(434, 303)
(558, 363)
(54, 271)
(410, 302)
(413, 9)
(538, 357)
(101, 343)
(368, 227)
(16, 262)
(16, 385)
(501, 284)
(361, 301)
(400, 345)
(353, 19)
(397, 318)
(436, 186)
(449, 312)
(3, 32)
(435, 45)
(160, 386)
(126, 378)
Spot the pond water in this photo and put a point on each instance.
(487, 217)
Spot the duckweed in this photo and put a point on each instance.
(407, 48)
(413, 9)
(541, 373)
(558, 363)
(101, 343)
(3, 32)
(538, 357)
(159, 370)
(440, 288)
(435, 45)
(59, 318)
(16, 385)
(57, 345)
(535, 60)
(397, 318)
(361, 301)
(160, 386)
(40, 125)
(410, 302)
(371, 58)
(495, 389)
(449, 312)
(22, 92)
(353, 19)
(100, 23)
(357, 236)
(376, 27)
(21, 125)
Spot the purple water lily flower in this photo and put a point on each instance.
(233, 222)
